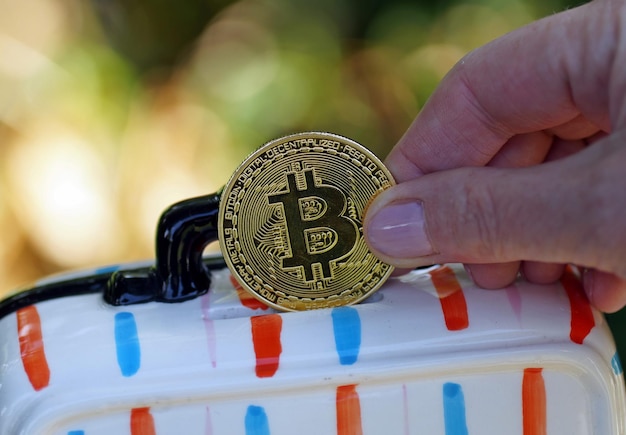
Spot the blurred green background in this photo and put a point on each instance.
(112, 110)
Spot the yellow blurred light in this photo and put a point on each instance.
(62, 198)
(174, 185)
(172, 149)
(39, 24)
(18, 60)
(470, 25)
(436, 59)
(237, 58)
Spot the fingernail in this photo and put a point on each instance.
(398, 230)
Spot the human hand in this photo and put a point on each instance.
(518, 161)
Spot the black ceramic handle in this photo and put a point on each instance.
(183, 231)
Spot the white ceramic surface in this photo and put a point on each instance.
(427, 354)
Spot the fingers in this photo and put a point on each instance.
(542, 273)
(494, 275)
(546, 273)
(469, 215)
(523, 150)
(520, 151)
(500, 275)
(501, 110)
(491, 95)
(575, 129)
(566, 211)
(606, 291)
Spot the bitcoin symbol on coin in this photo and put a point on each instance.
(315, 224)
(289, 222)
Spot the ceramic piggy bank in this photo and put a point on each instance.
(99, 353)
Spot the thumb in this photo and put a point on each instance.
(567, 211)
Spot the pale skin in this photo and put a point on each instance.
(517, 163)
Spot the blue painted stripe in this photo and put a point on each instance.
(616, 364)
(127, 343)
(347, 330)
(256, 421)
(454, 409)
(76, 432)
(107, 269)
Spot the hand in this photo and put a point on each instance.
(518, 161)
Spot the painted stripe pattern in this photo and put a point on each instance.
(32, 348)
(534, 419)
(208, 422)
(405, 410)
(209, 327)
(347, 331)
(582, 317)
(451, 298)
(256, 421)
(616, 364)
(349, 417)
(127, 343)
(246, 299)
(515, 301)
(266, 331)
(348, 406)
(141, 422)
(454, 409)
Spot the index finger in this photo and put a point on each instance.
(535, 78)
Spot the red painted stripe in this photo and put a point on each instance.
(451, 298)
(141, 422)
(31, 347)
(348, 411)
(582, 317)
(267, 347)
(247, 300)
(534, 402)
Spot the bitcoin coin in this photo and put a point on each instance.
(290, 222)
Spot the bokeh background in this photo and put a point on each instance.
(111, 110)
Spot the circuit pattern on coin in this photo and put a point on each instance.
(290, 222)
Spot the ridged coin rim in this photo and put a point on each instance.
(251, 158)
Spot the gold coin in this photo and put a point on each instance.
(290, 222)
